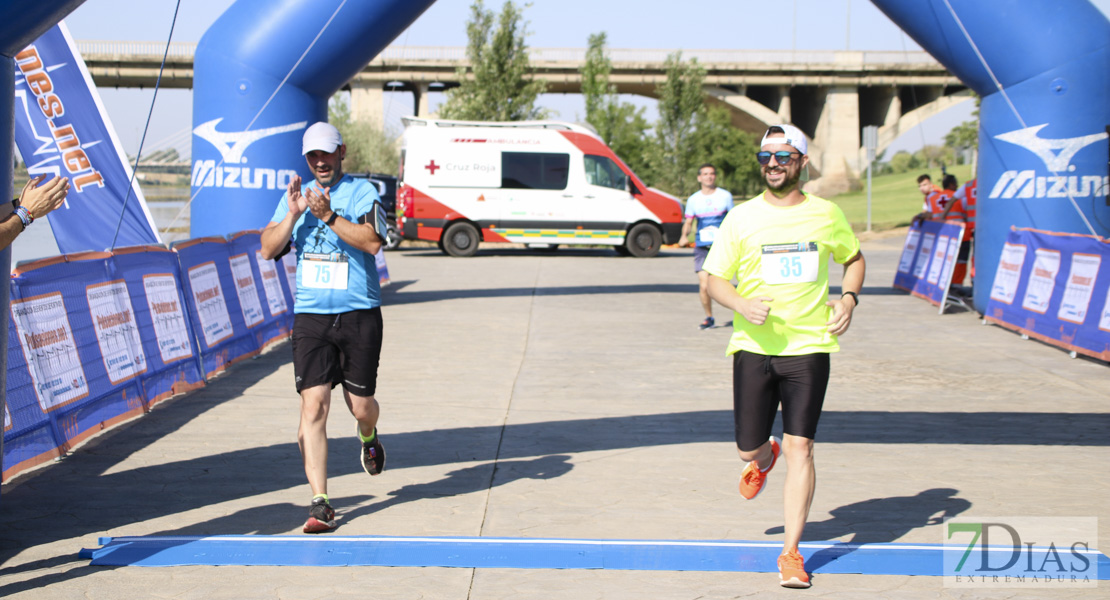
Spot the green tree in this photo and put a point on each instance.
(730, 150)
(500, 83)
(681, 104)
(903, 162)
(369, 147)
(620, 124)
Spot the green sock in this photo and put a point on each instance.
(324, 496)
(366, 440)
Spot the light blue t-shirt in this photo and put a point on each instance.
(352, 199)
(709, 210)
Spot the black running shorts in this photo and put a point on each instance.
(334, 349)
(760, 383)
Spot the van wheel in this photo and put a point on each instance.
(393, 237)
(460, 239)
(643, 240)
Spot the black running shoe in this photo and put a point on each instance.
(321, 517)
(708, 323)
(373, 455)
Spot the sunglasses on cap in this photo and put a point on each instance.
(782, 157)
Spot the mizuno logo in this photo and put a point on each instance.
(1057, 155)
(233, 144)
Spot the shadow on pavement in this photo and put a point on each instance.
(879, 520)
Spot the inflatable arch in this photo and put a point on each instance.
(1042, 68)
(264, 72)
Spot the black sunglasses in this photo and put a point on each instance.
(782, 157)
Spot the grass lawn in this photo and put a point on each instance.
(894, 198)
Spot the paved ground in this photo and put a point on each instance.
(570, 394)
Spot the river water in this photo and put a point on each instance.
(165, 206)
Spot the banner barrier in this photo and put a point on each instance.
(1054, 287)
(86, 349)
(213, 296)
(267, 309)
(96, 338)
(928, 260)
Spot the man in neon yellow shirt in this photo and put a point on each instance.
(777, 246)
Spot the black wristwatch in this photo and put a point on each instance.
(331, 219)
(854, 296)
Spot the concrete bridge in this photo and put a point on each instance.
(830, 95)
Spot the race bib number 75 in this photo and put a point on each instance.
(790, 263)
(324, 271)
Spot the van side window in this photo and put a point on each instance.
(534, 170)
(601, 170)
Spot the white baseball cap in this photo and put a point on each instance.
(794, 137)
(321, 136)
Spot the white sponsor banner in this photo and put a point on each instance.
(275, 299)
(248, 292)
(117, 333)
(1079, 288)
(1008, 274)
(938, 260)
(1104, 320)
(211, 306)
(46, 339)
(923, 254)
(952, 256)
(164, 300)
(909, 251)
(1042, 281)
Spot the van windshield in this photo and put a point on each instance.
(534, 170)
(601, 170)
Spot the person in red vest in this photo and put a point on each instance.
(936, 200)
(963, 205)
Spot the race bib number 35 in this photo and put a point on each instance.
(790, 263)
(324, 271)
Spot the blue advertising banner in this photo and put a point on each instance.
(73, 329)
(258, 281)
(928, 259)
(220, 317)
(153, 278)
(61, 129)
(1056, 288)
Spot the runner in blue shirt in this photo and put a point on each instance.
(337, 224)
(709, 205)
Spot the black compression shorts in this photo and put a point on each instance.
(760, 383)
(341, 348)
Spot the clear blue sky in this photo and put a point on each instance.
(708, 24)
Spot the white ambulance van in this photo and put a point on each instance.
(530, 182)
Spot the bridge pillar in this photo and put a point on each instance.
(420, 99)
(784, 106)
(367, 101)
(837, 140)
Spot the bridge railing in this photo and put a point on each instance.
(185, 50)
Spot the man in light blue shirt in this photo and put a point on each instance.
(337, 224)
(708, 206)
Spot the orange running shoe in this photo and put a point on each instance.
(792, 571)
(753, 477)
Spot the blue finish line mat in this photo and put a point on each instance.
(523, 553)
